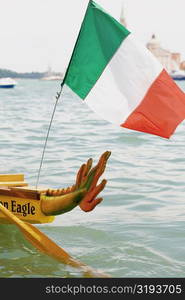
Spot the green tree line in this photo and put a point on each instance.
(13, 74)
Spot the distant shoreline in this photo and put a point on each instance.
(27, 75)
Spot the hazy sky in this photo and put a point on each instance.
(35, 34)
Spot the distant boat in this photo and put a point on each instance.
(7, 83)
(178, 75)
(52, 77)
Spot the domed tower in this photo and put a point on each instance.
(153, 44)
(164, 56)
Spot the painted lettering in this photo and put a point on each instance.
(13, 206)
(5, 204)
(33, 210)
(25, 209)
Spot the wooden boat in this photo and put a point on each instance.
(22, 200)
(18, 203)
(40, 205)
(21, 205)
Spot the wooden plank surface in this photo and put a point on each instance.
(22, 192)
(13, 183)
(11, 177)
(10, 192)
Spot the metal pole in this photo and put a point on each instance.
(47, 136)
(57, 99)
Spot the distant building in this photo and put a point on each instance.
(170, 61)
(122, 17)
(182, 65)
(50, 75)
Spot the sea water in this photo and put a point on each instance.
(139, 228)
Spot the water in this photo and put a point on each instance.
(139, 228)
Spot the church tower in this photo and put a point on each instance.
(122, 17)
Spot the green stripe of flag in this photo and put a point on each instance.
(99, 38)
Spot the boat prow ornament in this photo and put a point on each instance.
(41, 205)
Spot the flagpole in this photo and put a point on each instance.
(48, 131)
(57, 97)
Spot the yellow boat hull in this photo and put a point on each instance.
(21, 200)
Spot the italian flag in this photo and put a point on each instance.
(120, 79)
